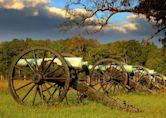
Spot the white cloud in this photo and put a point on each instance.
(56, 11)
(1, 1)
(119, 29)
(21, 4)
(130, 26)
(16, 5)
(135, 16)
(36, 13)
(125, 28)
(46, 5)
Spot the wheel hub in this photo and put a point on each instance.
(39, 79)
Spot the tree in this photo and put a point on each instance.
(156, 61)
(131, 52)
(155, 11)
(96, 13)
(9, 50)
(96, 53)
(79, 45)
(60, 45)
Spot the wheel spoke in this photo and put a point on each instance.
(29, 65)
(35, 58)
(44, 54)
(49, 64)
(105, 75)
(107, 70)
(56, 69)
(53, 93)
(28, 92)
(118, 77)
(33, 102)
(41, 93)
(23, 86)
(51, 86)
(48, 91)
(22, 69)
(110, 85)
(114, 89)
(60, 90)
(114, 71)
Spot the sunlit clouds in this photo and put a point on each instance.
(40, 19)
(21, 4)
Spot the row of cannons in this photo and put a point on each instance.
(44, 76)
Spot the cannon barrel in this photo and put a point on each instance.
(76, 62)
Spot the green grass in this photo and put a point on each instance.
(153, 106)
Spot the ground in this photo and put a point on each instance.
(153, 106)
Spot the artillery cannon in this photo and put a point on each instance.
(42, 75)
(114, 77)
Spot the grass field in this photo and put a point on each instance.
(153, 106)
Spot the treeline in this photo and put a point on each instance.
(131, 52)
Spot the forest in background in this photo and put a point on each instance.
(131, 51)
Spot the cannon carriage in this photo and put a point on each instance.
(158, 80)
(114, 77)
(43, 76)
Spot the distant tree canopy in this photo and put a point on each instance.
(132, 52)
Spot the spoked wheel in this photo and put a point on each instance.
(141, 79)
(39, 75)
(108, 76)
(159, 81)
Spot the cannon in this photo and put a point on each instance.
(43, 76)
(114, 77)
(150, 80)
(159, 81)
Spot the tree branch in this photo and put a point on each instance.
(153, 35)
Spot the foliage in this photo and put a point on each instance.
(97, 53)
(8, 50)
(154, 9)
(79, 46)
(132, 52)
(157, 61)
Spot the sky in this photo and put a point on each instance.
(42, 19)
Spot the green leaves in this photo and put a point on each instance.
(131, 52)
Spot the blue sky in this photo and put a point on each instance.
(42, 20)
(58, 3)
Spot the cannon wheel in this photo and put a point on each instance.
(109, 76)
(46, 81)
(141, 80)
(159, 82)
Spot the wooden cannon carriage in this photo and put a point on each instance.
(114, 77)
(42, 75)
